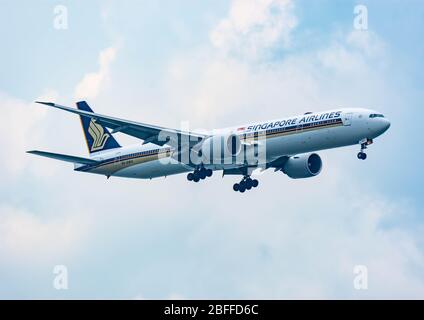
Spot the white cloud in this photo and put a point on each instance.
(19, 131)
(368, 42)
(354, 53)
(214, 90)
(24, 236)
(253, 26)
(91, 84)
(307, 245)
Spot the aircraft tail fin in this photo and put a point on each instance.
(98, 137)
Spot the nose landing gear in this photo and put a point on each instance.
(362, 155)
(199, 174)
(246, 184)
(364, 145)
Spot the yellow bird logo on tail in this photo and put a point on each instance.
(98, 134)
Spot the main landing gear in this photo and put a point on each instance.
(199, 174)
(364, 145)
(246, 184)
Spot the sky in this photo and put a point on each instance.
(211, 64)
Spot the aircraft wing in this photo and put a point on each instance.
(63, 157)
(146, 132)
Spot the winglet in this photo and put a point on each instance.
(51, 104)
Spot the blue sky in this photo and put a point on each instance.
(214, 64)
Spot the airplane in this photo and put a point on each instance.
(288, 145)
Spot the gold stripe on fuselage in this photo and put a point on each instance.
(128, 161)
(131, 160)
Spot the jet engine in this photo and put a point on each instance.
(220, 147)
(303, 166)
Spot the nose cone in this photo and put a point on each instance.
(385, 125)
(382, 125)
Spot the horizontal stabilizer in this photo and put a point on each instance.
(63, 157)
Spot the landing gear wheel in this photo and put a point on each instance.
(249, 184)
(242, 184)
(362, 155)
(196, 176)
(199, 174)
(246, 183)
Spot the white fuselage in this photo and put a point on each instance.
(284, 137)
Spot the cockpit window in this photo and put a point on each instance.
(376, 115)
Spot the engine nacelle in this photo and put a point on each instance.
(303, 166)
(220, 147)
